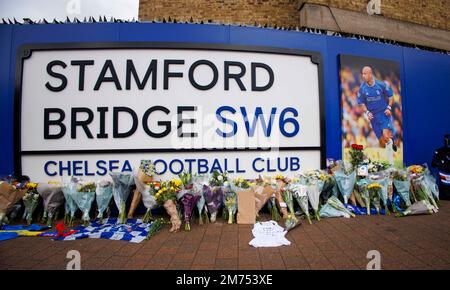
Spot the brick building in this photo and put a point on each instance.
(419, 22)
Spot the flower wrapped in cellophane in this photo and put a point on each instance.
(280, 182)
(430, 180)
(345, 179)
(201, 185)
(146, 189)
(329, 188)
(381, 178)
(418, 208)
(422, 183)
(402, 185)
(362, 185)
(122, 182)
(291, 220)
(9, 196)
(300, 192)
(53, 198)
(31, 201)
(214, 194)
(263, 190)
(272, 206)
(335, 208)
(422, 191)
(188, 197)
(103, 195)
(230, 196)
(84, 196)
(357, 155)
(315, 183)
(69, 189)
(143, 178)
(375, 193)
(167, 197)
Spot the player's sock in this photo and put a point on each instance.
(391, 142)
(390, 151)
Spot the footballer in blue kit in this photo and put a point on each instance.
(376, 97)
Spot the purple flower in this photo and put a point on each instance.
(189, 201)
(213, 197)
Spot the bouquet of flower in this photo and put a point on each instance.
(263, 191)
(272, 205)
(300, 192)
(345, 180)
(382, 179)
(189, 197)
(356, 155)
(335, 208)
(415, 170)
(377, 166)
(103, 195)
(53, 198)
(167, 196)
(146, 189)
(189, 201)
(148, 192)
(230, 195)
(422, 191)
(200, 186)
(155, 228)
(281, 182)
(122, 182)
(143, 176)
(402, 185)
(30, 200)
(419, 207)
(214, 195)
(69, 190)
(83, 197)
(315, 185)
(9, 195)
(362, 184)
(431, 182)
(291, 220)
(329, 187)
(375, 193)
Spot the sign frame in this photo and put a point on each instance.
(25, 51)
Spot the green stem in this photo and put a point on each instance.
(187, 226)
(44, 217)
(122, 213)
(49, 221)
(309, 219)
(200, 219)
(230, 216)
(148, 216)
(317, 215)
(386, 210)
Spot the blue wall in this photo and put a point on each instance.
(425, 75)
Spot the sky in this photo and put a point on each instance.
(60, 9)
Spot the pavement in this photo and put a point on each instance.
(415, 242)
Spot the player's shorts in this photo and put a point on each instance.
(379, 122)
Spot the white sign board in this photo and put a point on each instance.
(94, 106)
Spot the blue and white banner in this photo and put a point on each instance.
(134, 231)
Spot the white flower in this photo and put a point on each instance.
(220, 177)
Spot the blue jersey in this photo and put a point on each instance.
(375, 97)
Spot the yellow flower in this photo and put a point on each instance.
(374, 185)
(279, 177)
